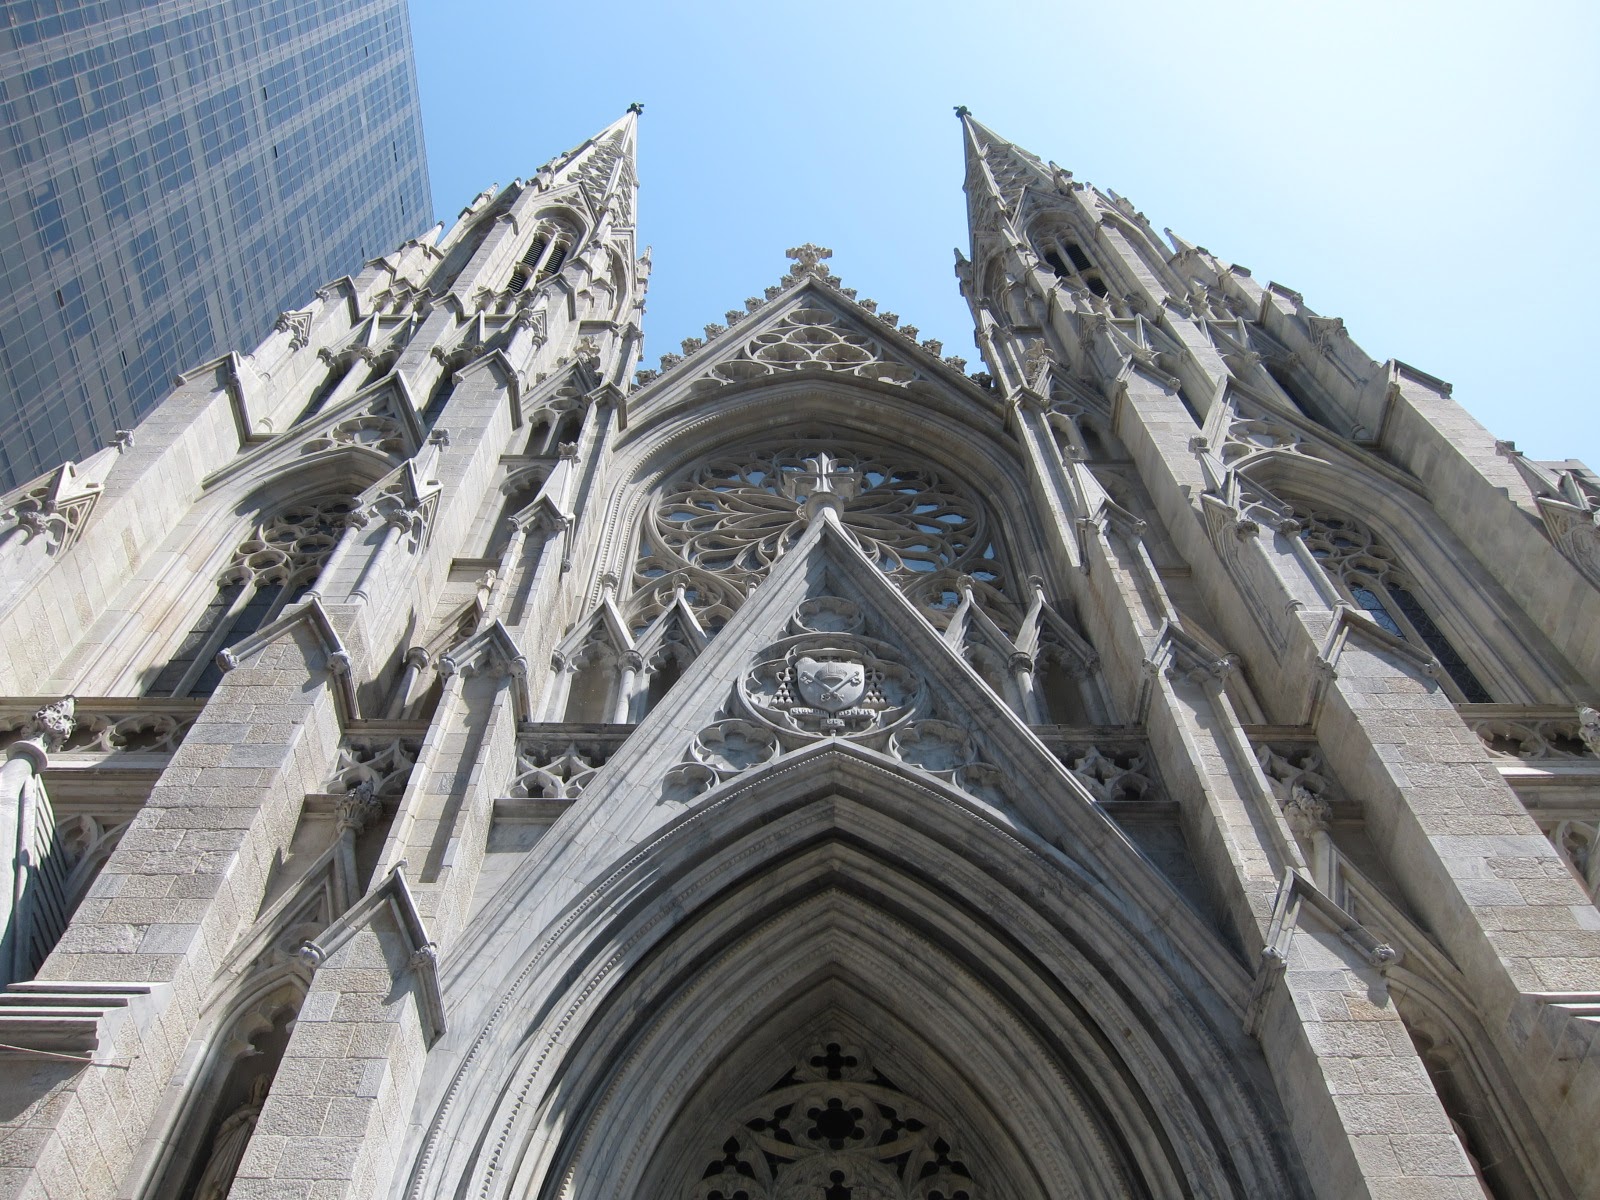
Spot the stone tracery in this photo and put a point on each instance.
(1380, 586)
(716, 530)
(834, 1127)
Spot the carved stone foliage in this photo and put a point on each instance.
(815, 337)
(1533, 734)
(290, 547)
(717, 529)
(837, 1129)
(829, 680)
(1299, 780)
(594, 173)
(104, 727)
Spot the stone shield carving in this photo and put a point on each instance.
(833, 683)
(827, 685)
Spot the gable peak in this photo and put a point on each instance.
(828, 303)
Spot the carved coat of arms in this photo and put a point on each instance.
(832, 685)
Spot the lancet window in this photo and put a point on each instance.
(1063, 255)
(714, 532)
(552, 242)
(272, 568)
(1368, 571)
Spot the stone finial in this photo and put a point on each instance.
(1306, 812)
(1589, 728)
(54, 723)
(1036, 359)
(808, 260)
(358, 808)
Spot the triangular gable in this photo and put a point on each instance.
(828, 653)
(492, 651)
(379, 421)
(809, 327)
(314, 617)
(56, 505)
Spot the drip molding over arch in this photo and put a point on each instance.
(932, 903)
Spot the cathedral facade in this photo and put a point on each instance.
(446, 759)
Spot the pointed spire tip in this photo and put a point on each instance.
(636, 108)
(962, 112)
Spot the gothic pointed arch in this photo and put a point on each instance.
(832, 903)
(1393, 556)
(832, 848)
(272, 567)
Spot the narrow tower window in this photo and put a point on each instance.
(272, 568)
(551, 243)
(1369, 574)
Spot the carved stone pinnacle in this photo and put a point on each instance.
(55, 722)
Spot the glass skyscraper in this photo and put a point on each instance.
(173, 173)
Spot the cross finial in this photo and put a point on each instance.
(636, 107)
(808, 259)
(962, 111)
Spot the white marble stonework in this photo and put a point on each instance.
(446, 758)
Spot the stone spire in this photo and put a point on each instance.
(604, 168)
(998, 168)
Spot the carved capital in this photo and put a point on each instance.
(358, 808)
(425, 958)
(1306, 812)
(1589, 728)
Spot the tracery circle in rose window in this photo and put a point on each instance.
(737, 516)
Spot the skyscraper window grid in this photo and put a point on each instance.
(172, 176)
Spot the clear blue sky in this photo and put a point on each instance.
(1425, 170)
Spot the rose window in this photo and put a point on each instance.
(720, 527)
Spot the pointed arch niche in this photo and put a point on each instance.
(224, 1093)
(1368, 571)
(846, 981)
